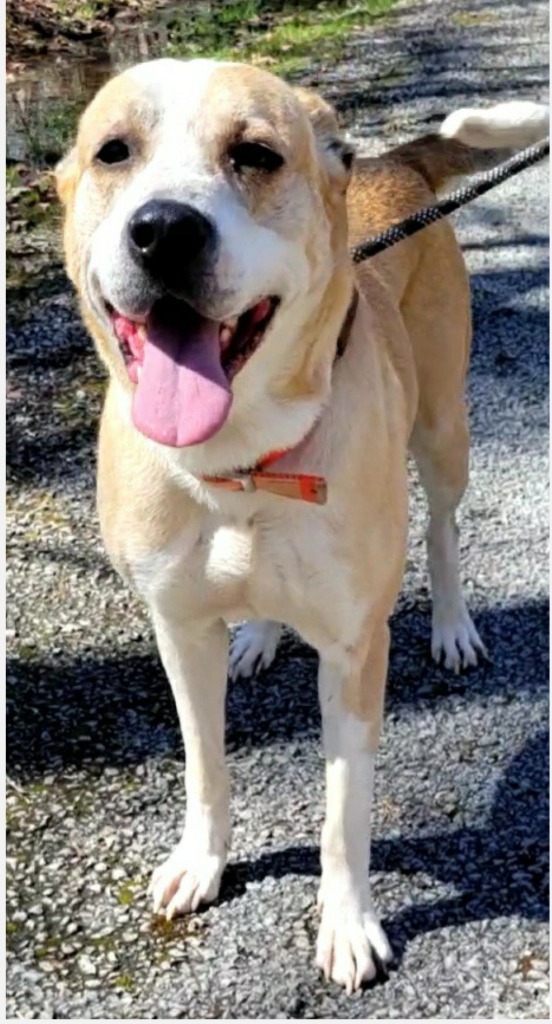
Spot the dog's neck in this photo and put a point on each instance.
(261, 477)
(344, 334)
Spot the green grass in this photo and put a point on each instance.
(286, 37)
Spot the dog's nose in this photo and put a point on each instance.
(166, 236)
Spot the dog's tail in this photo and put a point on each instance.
(512, 125)
(471, 140)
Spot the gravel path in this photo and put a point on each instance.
(95, 759)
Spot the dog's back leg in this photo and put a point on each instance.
(436, 310)
(441, 451)
(253, 648)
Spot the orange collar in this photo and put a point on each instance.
(302, 486)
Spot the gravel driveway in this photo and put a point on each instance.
(95, 759)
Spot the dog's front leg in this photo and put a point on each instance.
(351, 940)
(195, 658)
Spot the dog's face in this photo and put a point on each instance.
(205, 218)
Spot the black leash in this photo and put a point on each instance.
(423, 218)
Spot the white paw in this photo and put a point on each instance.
(182, 882)
(351, 945)
(253, 648)
(455, 636)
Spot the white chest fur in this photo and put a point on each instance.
(279, 563)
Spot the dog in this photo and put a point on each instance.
(262, 398)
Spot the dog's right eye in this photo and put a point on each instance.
(114, 151)
(254, 156)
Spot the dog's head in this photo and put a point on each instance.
(205, 232)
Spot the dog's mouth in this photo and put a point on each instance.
(183, 364)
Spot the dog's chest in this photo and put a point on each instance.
(259, 567)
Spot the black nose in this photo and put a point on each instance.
(166, 236)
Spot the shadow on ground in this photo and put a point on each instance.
(498, 870)
(61, 711)
(444, 66)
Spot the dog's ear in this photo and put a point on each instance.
(66, 175)
(335, 152)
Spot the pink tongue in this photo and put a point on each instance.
(183, 396)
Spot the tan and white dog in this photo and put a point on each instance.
(206, 232)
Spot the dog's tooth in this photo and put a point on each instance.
(225, 336)
(230, 325)
(138, 372)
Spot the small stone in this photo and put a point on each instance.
(86, 966)
(47, 966)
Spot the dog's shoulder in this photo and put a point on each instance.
(141, 508)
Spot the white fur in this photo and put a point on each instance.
(514, 124)
(195, 661)
(253, 648)
(453, 633)
(350, 934)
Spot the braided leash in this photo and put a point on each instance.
(423, 218)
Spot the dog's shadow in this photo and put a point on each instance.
(496, 870)
(499, 870)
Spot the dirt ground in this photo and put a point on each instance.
(37, 27)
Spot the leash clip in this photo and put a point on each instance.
(301, 486)
(237, 482)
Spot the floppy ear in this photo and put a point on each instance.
(66, 174)
(335, 153)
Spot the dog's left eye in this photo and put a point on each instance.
(255, 155)
(114, 151)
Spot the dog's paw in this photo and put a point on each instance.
(253, 648)
(352, 946)
(182, 882)
(455, 637)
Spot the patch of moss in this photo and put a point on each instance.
(127, 892)
(161, 928)
(49, 946)
(130, 785)
(468, 18)
(107, 943)
(36, 788)
(124, 981)
(27, 652)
